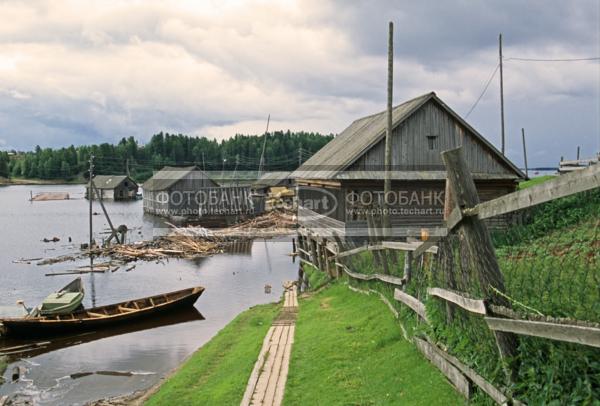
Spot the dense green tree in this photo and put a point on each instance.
(283, 151)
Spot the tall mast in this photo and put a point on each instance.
(501, 93)
(387, 183)
(262, 154)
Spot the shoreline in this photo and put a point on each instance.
(141, 396)
(37, 182)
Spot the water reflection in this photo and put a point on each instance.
(234, 282)
(15, 349)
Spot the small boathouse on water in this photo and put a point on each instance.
(347, 175)
(114, 187)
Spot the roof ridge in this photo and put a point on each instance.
(424, 95)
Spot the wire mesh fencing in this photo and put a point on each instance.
(547, 286)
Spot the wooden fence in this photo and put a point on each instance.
(465, 211)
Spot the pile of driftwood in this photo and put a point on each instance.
(173, 245)
(276, 222)
(188, 242)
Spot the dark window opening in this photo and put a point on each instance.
(432, 142)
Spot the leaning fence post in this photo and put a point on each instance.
(480, 248)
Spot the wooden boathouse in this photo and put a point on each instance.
(346, 176)
(189, 194)
(114, 187)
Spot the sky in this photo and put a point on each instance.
(81, 72)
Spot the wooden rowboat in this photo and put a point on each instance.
(98, 317)
(64, 301)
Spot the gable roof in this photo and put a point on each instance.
(364, 133)
(169, 175)
(111, 181)
(272, 178)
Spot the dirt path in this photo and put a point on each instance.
(267, 382)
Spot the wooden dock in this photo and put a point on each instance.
(267, 382)
(45, 196)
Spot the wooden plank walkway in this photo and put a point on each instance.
(267, 381)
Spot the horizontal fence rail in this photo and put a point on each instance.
(472, 305)
(385, 245)
(393, 280)
(562, 186)
(554, 331)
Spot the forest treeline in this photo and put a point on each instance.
(283, 151)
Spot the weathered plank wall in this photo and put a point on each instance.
(411, 147)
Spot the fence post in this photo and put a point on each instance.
(313, 251)
(480, 248)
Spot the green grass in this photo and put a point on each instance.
(3, 365)
(535, 181)
(316, 278)
(349, 350)
(218, 372)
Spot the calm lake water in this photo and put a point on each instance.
(233, 282)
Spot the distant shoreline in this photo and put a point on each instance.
(33, 182)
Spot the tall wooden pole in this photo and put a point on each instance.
(262, 154)
(501, 93)
(480, 249)
(90, 198)
(578, 152)
(387, 184)
(525, 153)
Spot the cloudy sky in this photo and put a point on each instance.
(76, 72)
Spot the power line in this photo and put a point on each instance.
(594, 58)
(483, 92)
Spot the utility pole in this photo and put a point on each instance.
(261, 165)
(300, 157)
(578, 152)
(127, 167)
(203, 166)
(90, 198)
(525, 153)
(387, 183)
(501, 93)
(237, 162)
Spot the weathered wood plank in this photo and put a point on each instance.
(308, 262)
(391, 245)
(554, 331)
(472, 305)
(406, 246)
(412, 302)
(454, 218)
(353, 251)
(460, 382)
(565, 185)
(478, 243)
(394, 280)
(477, 379)
(425, 246)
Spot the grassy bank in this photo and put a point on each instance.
(349, 349)
(535, 181)
(3, 366)
(218, 372)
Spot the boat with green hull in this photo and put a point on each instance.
(64, 301)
